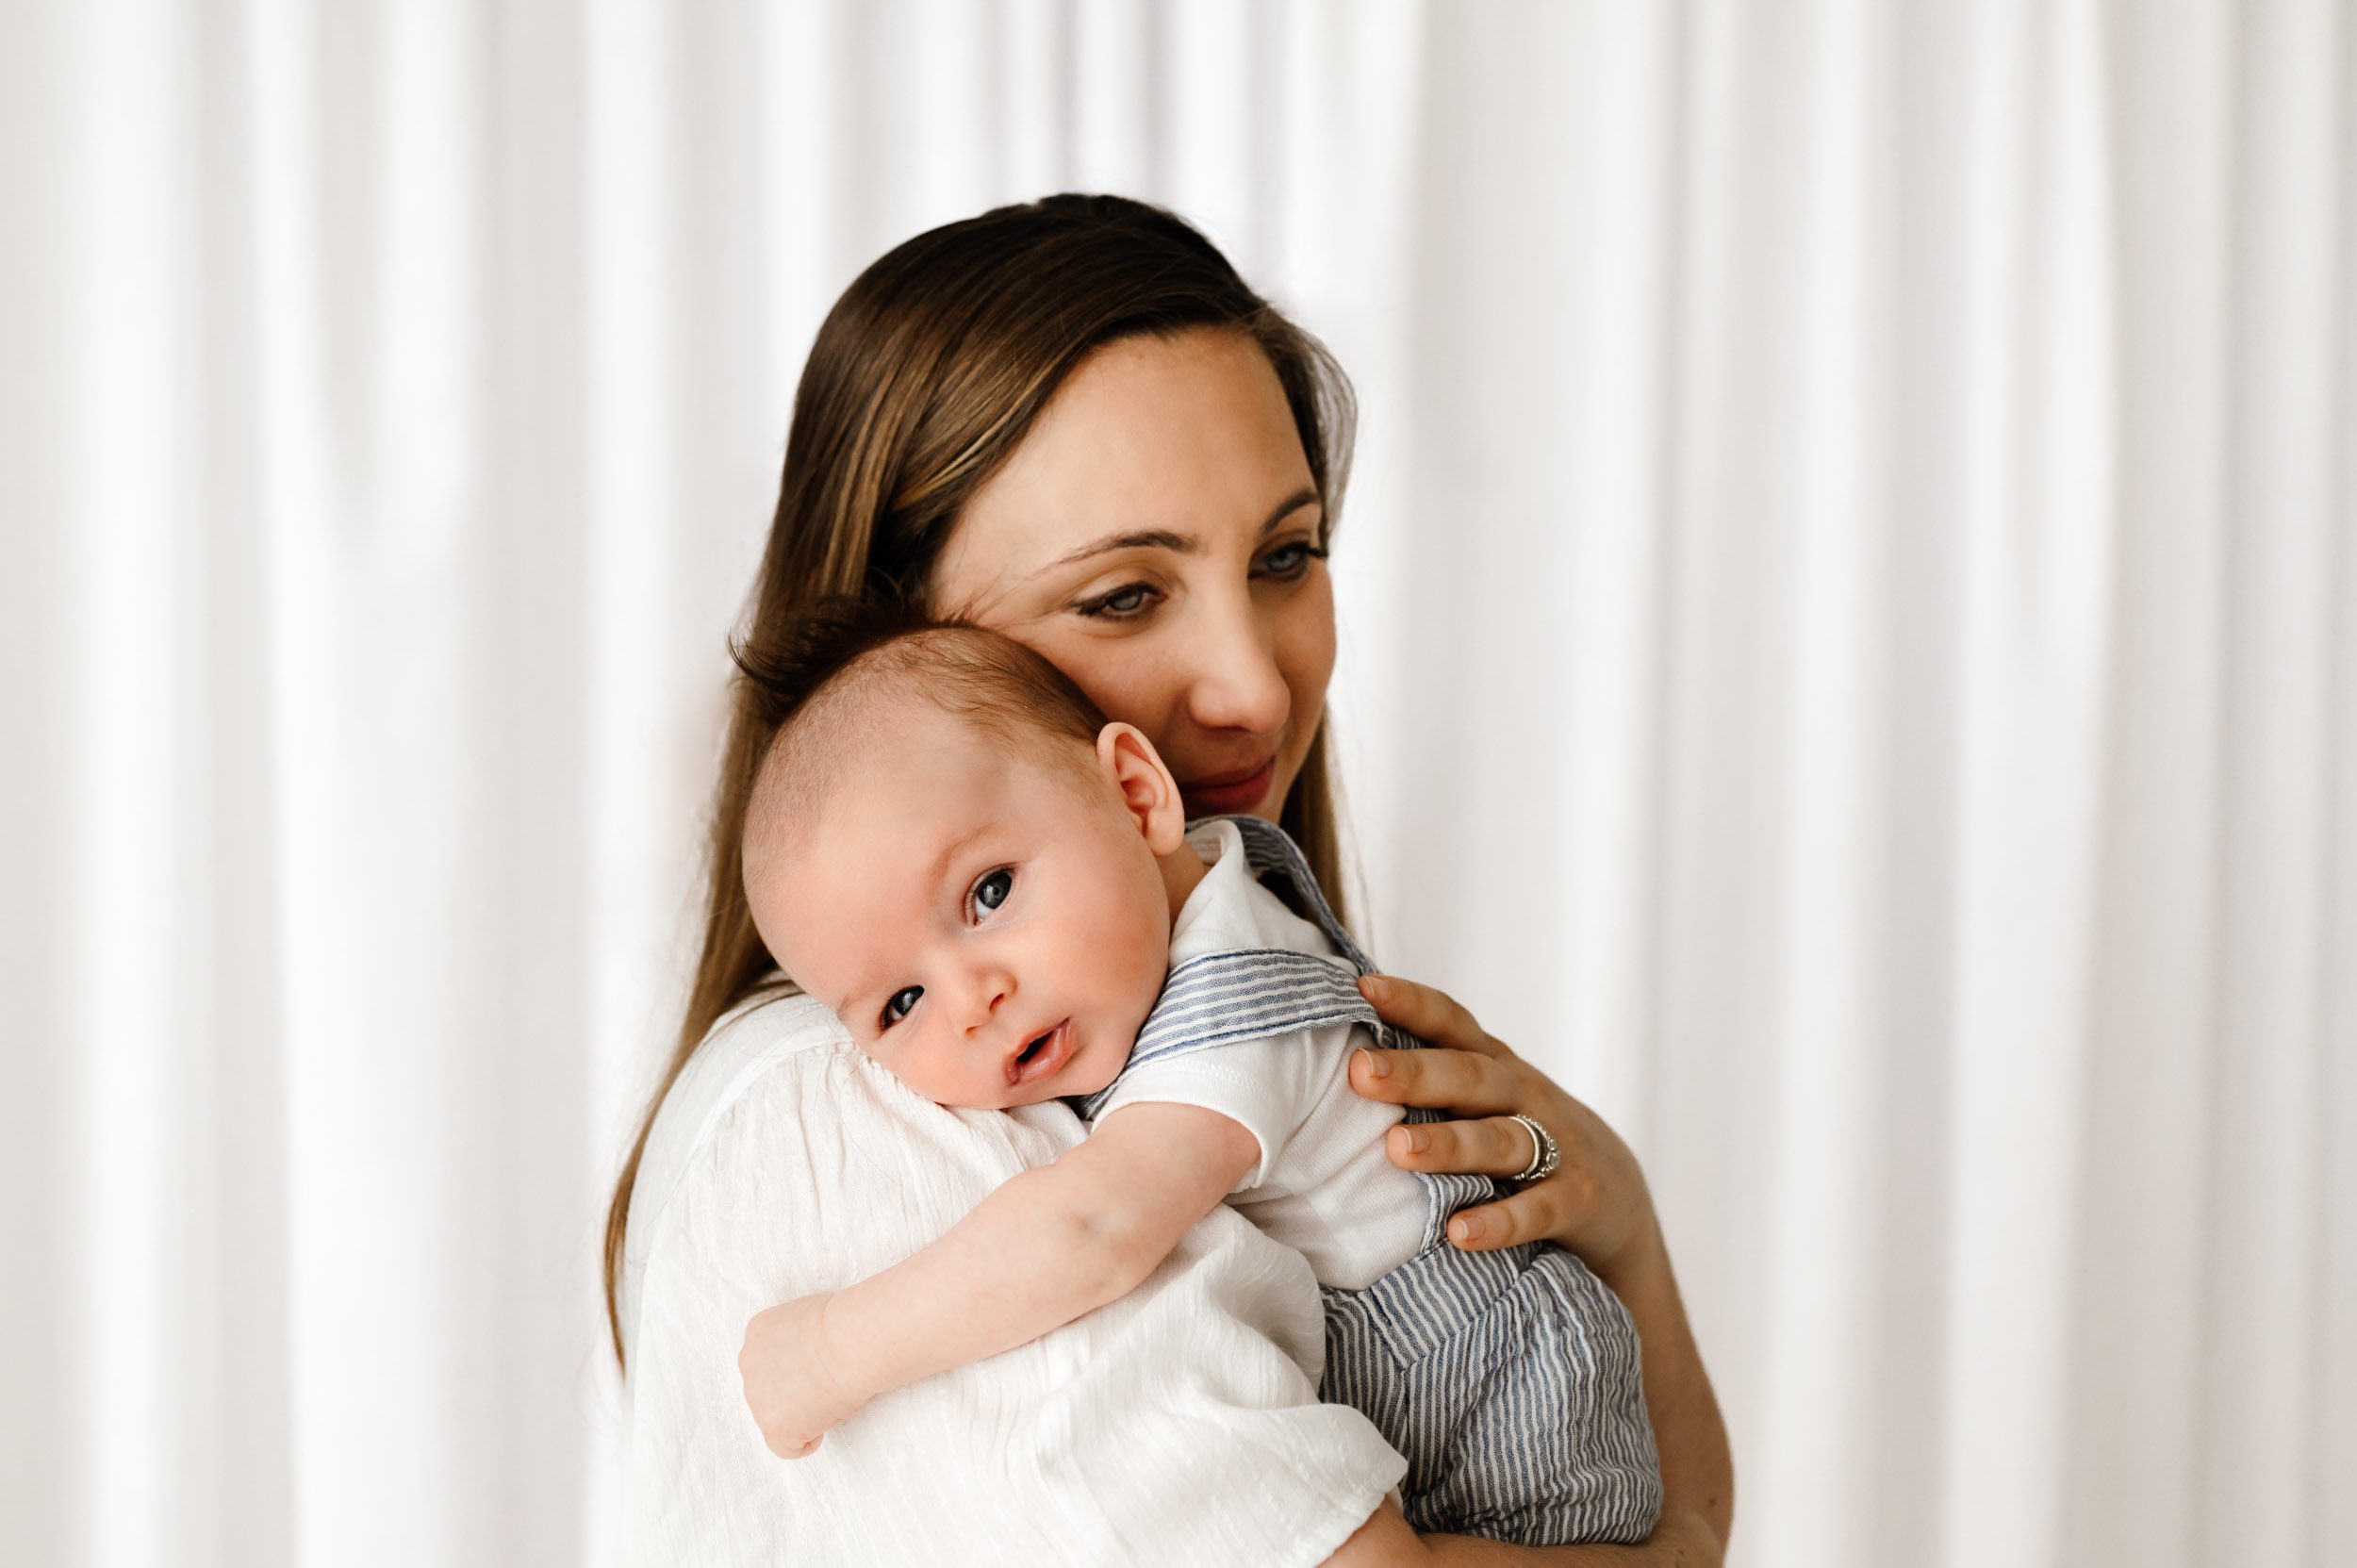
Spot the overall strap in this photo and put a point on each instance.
(1253, 993)
(1258, 992)
(1280, 866)
(1269, 850)
(1277, 861)
(1243, 994)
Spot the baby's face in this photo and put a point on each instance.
(991, 927)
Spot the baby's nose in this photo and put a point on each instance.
(989, 988)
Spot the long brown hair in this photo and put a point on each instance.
(924, 378)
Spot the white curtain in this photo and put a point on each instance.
(1850, 659)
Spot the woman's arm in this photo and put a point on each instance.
(1596, 1204)
(1046, 1246)
(1681, 1540)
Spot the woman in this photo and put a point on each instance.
(1073, 422)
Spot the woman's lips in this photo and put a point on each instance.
(1050, 1056)
(1228, 794)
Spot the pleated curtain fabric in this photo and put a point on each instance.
(1848, 617)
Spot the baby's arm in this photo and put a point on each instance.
(1047, 1246)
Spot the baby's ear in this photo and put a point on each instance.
(1130, 764)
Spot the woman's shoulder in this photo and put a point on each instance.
(776, 1039)
(777, 1029)
(780, 1125)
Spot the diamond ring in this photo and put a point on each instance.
(1543, 1154)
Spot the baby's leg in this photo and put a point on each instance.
(1581, 1333)
(1512, 1383)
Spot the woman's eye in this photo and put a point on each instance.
(992, 890)
(1119, 604)
(1290, 560)
(898, 1008)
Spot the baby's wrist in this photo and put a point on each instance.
(844, 1358)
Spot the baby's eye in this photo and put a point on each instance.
(993, 890)
(898, 1008)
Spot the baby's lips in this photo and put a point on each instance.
(1053, 1048)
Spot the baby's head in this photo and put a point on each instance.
(950, 846)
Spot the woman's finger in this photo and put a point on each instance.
(1492, 1145)
(1509, 1222)
(1441, 1078)
(1432, 1016)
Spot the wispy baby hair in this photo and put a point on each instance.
(826, 680)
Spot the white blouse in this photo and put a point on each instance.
(1180, 1425)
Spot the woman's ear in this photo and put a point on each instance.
(1129, 763)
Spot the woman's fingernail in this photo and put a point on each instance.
(1376, 987)
(1465, 1229)
(1377, 1067)
(1418, 1140)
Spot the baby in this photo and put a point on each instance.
(997, 893)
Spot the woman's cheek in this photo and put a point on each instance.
(1308, 669)
(1309, 642)
(1116, 674)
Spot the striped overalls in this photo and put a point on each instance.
(1509, 1380)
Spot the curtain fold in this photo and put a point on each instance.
(1848, 659)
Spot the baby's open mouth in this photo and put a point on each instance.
(1041, 1054)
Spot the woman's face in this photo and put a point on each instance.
(1158, 536)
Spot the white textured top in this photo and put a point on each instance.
(1322, 1185)
(1180, 1425)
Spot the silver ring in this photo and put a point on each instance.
(1543, 1154)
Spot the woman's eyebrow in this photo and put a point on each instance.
(1151, 538)
(1286, 508)
(1183, 544)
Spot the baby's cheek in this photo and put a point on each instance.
(1145, 963)
(918, 1069)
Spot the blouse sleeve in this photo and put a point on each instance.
(1180, 1425)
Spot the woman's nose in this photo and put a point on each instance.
(1236, 682)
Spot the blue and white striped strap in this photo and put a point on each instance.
(1246, 994)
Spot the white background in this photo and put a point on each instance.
(1850, 660)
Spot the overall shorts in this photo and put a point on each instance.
(1509, 1380)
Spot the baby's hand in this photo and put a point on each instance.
(791, 1383)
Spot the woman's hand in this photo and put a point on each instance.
(791, 1383)
(1596, 1203)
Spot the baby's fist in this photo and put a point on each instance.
(790, 1384)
